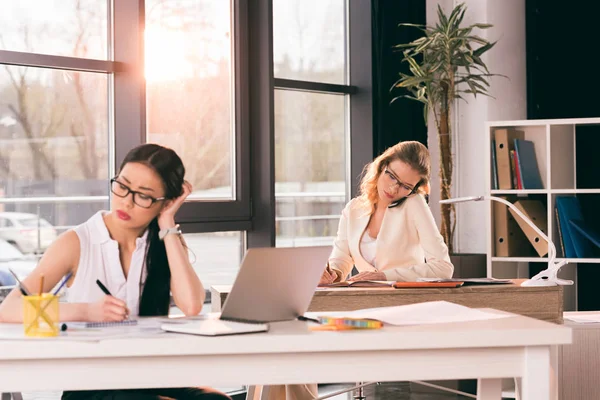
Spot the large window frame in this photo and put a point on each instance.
(358, 91)
(253, 210)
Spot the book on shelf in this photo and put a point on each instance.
(494, 166)
(526, 165)
(513, 170)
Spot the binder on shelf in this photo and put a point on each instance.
(590, 234)
(536, 212)
(562, 204)
(576, 244)
(527, 165)
(504, 138)
(509, 240)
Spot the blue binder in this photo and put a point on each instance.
(591, 235)
(576, 246)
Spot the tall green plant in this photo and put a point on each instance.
(444, 65)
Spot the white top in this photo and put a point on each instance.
(409, 245)
(99, 259)
(368, 248)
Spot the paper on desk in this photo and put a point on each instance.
(431, 312)
(76, 332)
(587, 318)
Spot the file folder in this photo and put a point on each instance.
(509, 239)
(505, 139)
(536, 212)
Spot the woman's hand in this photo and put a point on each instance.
(109, 308)
(368, 276)
(166, 218)
(328, 277)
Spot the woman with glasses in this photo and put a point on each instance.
(135, 251)
(388, 231)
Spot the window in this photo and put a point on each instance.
(189, 90)
(309, 40)
(55, 130)
(73, 28)
(216, 256)
(311, 112)
(310, 173)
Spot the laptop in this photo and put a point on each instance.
(273, 284)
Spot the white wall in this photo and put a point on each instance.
(509, 102)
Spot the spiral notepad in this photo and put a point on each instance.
(110, 323)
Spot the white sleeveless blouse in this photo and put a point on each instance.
(368, 248)
(99, 259)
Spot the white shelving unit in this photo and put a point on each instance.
(556, 152)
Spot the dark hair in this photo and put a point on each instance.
(155, 298)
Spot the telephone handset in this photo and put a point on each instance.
(400, 201)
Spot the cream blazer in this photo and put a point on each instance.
(409, 245)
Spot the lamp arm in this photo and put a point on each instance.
(551, 247)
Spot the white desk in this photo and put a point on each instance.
(289, 353)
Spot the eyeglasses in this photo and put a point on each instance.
(141, 199)
(393, 181)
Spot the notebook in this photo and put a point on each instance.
(104, 324)
(396, 285)
(468, 281)
(365, 283)
(215, 327)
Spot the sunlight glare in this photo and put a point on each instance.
(166, 58)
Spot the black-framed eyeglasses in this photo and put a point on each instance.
(141, 199)
(394, 181)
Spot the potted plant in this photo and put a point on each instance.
(445, 64)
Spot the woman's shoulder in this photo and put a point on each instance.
(355, 205)
(92, 227)
(416, 202)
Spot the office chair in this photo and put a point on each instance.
(11, 396)
(358, 391)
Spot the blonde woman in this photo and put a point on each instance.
(387, 233)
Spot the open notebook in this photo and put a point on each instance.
(394, 284)
(214, 327)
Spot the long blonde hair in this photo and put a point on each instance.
(412, 153)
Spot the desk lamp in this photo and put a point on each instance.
(547, 277)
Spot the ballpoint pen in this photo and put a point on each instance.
(65, 280)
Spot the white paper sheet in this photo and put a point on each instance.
(432, 312)
(591, 318)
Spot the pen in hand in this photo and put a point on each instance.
(107, 292)
(102, 287)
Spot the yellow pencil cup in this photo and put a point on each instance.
(40, 315)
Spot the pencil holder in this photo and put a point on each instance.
(40, 315)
